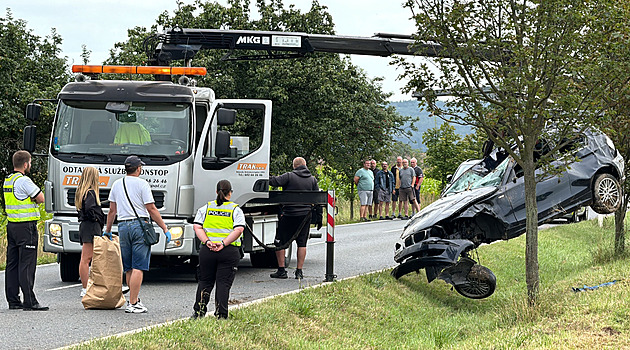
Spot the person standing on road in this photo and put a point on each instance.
(374, 208)
(91, 219)
(385, 186)
(413, 163)
(21, 199)
(364, 179)
(407, 182)
(295, 217)
(128, 196)
(218, 225)
(395, 168)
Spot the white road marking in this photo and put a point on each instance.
(398, 230)
(64, 287)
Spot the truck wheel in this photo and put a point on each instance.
(69, 266)
(481, 283)
(606, 194)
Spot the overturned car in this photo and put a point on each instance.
(486, 203)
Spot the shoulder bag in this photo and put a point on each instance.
(150, 236)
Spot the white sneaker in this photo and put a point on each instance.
(83, 292)
(136, 308)
(125, 289)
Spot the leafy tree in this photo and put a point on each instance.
(446, 150)
(30, 68)
(516, 68)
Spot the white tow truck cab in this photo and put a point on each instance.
(189, 141)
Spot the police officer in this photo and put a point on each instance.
(21, 197)
(219, 225)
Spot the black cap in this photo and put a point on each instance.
(133, 161)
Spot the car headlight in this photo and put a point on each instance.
(55, 230)
(177, 232)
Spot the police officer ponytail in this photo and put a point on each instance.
(224, 188)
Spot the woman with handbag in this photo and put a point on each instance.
(218, 225)
(91, 219)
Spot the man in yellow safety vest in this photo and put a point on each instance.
(21, 197)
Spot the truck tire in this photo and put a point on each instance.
(69, 266)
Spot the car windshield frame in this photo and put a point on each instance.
(154, 129)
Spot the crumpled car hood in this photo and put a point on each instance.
(444, 208)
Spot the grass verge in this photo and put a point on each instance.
(376, 311)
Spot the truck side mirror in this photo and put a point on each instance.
(222, 144)
(449, 177)
(226, 116)
(32, 111)
(29, 138)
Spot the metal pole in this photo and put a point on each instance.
(330, 237)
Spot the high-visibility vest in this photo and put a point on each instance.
(18, 210)
(219, 221)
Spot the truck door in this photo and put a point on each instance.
(234, 145)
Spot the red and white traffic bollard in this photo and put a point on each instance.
(330, 237)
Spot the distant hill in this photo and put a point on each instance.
(425, 122)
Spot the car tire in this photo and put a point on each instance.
(481, 283)
(606, 194)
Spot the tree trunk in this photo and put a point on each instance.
(620, 227)
(531, 232)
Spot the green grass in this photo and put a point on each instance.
(376, 311)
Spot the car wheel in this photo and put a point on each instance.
(606, 194)
(481, 283)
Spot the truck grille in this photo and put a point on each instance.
(103, 194)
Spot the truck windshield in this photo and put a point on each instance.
(477, 177)
(151, 129)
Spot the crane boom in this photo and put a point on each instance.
(176, 44)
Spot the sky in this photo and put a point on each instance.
(99, 24)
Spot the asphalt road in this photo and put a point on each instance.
(169, 293)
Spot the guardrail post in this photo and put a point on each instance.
(330, 237)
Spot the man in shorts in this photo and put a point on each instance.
(364, 179)
(413, 163)
(129, 193)
(407, 182)
(374, 208)
(295, 217)
(385, 187)
(395, 168)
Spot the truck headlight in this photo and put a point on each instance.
(177, 232)
(55, 230)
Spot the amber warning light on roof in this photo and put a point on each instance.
(139, 70)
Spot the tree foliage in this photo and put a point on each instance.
(517, 68)
(446, 150)
(324, 108)
(30, 68)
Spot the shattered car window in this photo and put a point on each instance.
(478, 177)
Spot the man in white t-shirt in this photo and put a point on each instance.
(135, 253)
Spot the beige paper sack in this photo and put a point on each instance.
(104, 288)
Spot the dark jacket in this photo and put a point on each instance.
(90, 210)
(382, 182)
(300, 179)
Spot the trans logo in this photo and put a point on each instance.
(253, 40)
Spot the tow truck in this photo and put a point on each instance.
(185, 136)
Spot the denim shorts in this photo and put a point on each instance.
(135, 254)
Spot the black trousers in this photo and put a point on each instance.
(216, 268)
(22, 241)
